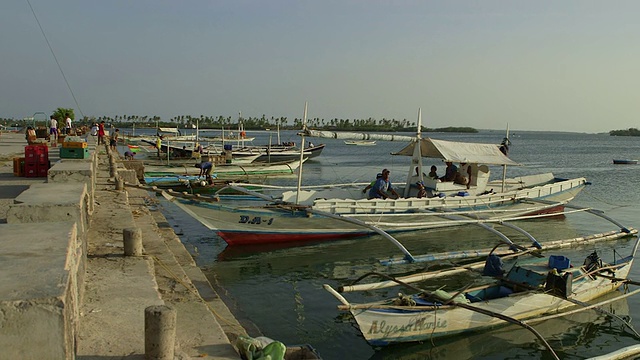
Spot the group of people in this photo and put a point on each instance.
(53, 126)
(460, 175)
(98, 131)
(381, 188)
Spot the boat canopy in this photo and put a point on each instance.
(461, 152)
(169, 130)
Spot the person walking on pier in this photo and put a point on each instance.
(101, 133)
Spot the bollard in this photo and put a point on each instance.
(132, 238)
(159, 332)
(119, 183)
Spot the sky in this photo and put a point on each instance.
(531, 65)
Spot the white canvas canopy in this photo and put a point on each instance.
(460, 152)
(169, 130)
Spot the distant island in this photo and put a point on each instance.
(627, 132)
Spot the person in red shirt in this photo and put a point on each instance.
(101, 133)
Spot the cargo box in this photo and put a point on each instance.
(74, 144)
(18, 166)
(30, 170)
(74, 153)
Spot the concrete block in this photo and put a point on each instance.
(39, 291)
(129, 176)
(137, 166)
(52, 202)
(78, 171)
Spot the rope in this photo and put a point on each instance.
(56, 59)
(195, 292)
(614, 206)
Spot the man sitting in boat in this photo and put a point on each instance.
(450, 172)
(433, 174)
(463, 176)
(383, 189)
(422, 192)
(378, 176)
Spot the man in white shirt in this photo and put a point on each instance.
(53, 129)
(68, 124)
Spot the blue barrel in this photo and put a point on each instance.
(228, 147)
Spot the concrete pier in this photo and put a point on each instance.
(67, 289)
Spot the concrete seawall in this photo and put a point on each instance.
(68, 291)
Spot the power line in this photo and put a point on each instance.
(56, 59)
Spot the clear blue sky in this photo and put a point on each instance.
(536, 65)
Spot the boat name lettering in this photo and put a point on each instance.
(244, 219)
(418, 325)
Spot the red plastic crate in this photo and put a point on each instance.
(43, 171)
(30, 170)
(36, 154)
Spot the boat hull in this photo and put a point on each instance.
(625, 162)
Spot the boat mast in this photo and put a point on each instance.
(504, 167)
(416, 159)
(304, 128)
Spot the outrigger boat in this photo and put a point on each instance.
(340, 211)
(360, 142)
(532, 289)
(224, 171)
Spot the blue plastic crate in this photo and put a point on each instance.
(559, 262)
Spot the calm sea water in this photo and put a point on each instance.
(279, 290)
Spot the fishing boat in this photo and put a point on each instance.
(224, 171)
(360, 142)
(513, 289)
(625, 162)
(339, 211)
(269, 154)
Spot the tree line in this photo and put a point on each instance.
(627, 132)
(248, 123)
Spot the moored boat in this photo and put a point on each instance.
(224, 170)
(521, 292)
(360, 142)
(339, 211)
(625, 161)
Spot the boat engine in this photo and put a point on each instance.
(592, 262)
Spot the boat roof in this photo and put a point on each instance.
(454, 151)
(169, 130)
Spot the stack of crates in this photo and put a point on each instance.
(36, 160)
(74, 148)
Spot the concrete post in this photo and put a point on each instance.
(119, 183)
(159, 332)
(132, 238)
(112, 168)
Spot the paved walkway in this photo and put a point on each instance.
(118, 288)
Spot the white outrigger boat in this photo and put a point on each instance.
(532, 290)
(334, 212)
